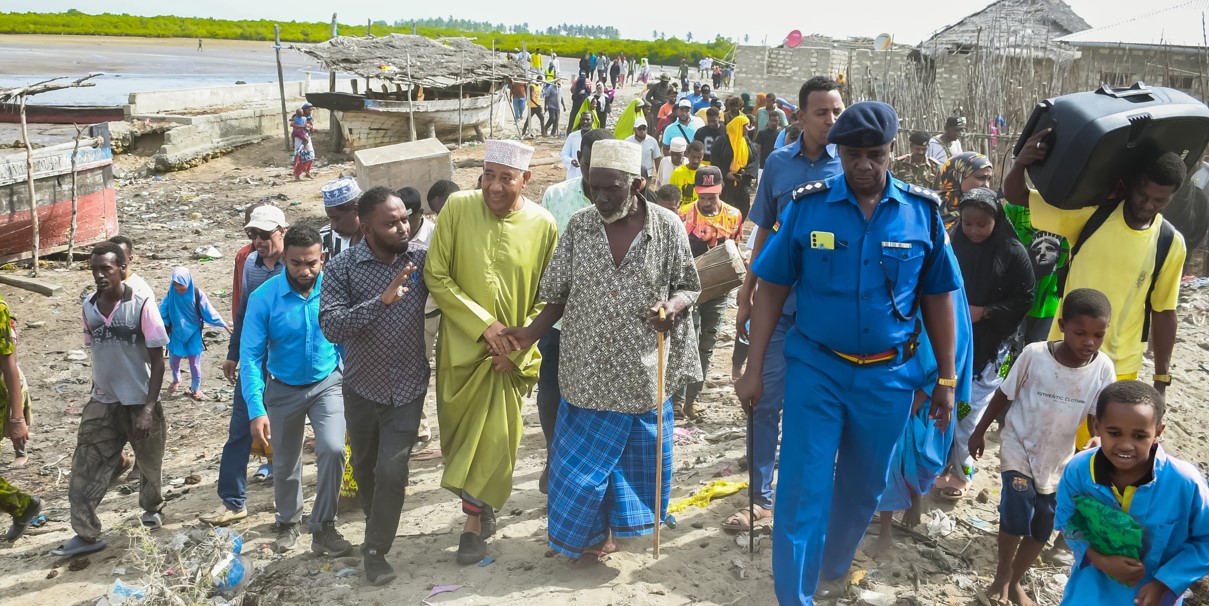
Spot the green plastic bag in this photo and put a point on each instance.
(1106, 529)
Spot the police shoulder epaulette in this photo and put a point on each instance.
(922, 192)
(812, 187)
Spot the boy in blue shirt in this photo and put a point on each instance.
(1131, 472)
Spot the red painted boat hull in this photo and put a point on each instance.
(96, 220)
(96, 198)
(10, 113)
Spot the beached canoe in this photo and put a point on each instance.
(366, 123)
(97, 212)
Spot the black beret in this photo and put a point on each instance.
(920, 137)
(865, 124)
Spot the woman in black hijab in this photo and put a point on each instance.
(999, 282)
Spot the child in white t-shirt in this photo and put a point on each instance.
(1051, 389)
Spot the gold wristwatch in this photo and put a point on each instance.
(947, 382)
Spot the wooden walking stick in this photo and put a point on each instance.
(659, 440)
(751, 487)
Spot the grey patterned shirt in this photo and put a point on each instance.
(383, 345)
(608, 354)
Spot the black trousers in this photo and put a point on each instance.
(381, 437)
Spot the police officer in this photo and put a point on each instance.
(865, 254)
(810, 158)
(917, 167)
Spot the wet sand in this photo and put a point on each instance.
(141, 64)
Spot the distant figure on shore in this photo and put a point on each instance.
(199, 42)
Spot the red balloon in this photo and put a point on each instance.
(794, 39)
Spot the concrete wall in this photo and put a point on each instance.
(1174, 68)
(186, 99)
(784, 70)
(199, 138)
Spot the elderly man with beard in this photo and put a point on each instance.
(372, 302)
(563, 200)
(617, 266)
(483, 268)
(289, 374)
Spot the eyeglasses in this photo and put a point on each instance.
(260, 234)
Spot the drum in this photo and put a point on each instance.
(721, 270)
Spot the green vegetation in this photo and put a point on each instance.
(484, 27)
(664, 51)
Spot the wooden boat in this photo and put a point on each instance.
(96, 209)
(10, 113)
(373, 122)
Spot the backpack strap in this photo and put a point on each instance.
(1103, 212)
(1166, 237)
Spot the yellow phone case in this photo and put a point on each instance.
(824, 240)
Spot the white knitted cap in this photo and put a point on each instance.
(508, 153)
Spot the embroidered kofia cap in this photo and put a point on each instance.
(340, 192)
(513, 154)
(618, 155)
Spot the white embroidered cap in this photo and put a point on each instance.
(513, 154)
(619, 155)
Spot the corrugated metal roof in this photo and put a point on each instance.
(1179, 25)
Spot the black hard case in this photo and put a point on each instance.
(1099, 136)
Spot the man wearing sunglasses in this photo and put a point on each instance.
(265, 229)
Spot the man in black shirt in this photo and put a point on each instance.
(712, 130)
(767, 138)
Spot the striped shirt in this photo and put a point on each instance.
(254, 274)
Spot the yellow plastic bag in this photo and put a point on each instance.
(702, 498)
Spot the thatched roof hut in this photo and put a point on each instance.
(1012, 27)
(1181, 25)
(441, 63)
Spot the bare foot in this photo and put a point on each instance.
(19, 461)
(172, 389)
(912, 517)
(1019, 596)
(198, 395)
(998, 591)
(881, 545)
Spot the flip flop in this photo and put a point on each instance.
(263, 473)
(152, 520)
(77, 546)
(743, 526)
(949, 493)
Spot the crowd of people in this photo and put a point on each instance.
(959, 305)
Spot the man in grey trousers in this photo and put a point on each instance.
(281, 334)
(373, 304)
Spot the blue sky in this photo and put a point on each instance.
(903, 19)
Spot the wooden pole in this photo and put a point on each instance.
(33, 200)
(461, 96)
(491, 93)
(71, 236)
(659, 442)
(333, 123)
(411, 104)
(285, 119)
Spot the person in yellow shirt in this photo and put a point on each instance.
(1119, 257)
(685, 175)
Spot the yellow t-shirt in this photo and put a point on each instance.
(1117, 261)
(685, 178)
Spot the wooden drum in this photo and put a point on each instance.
(721, 270)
